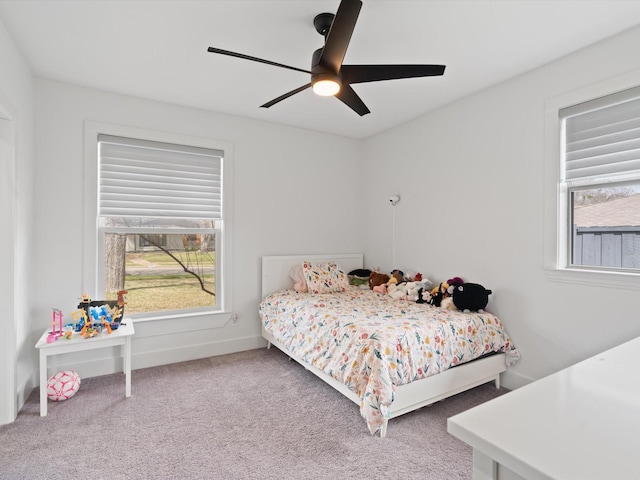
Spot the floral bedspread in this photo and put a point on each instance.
(372, 343)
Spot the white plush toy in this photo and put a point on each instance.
(447, 304)
(405, 291)
(412, 290)
(397, 291)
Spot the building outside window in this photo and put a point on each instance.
(150, 241)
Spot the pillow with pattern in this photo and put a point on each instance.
(299, 281)
(325, 277)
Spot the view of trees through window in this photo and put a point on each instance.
(600, 195)
(160, 271)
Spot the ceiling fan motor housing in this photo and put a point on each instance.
(321, 72)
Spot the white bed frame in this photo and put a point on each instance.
(409, 397)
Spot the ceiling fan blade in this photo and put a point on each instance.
(286, 95)
(254, 59)
(375, 73)
(351, 99)
(337, 40)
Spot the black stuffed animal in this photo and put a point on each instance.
(470, 297)
(424, 296)
(437, 294)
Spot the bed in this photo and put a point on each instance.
(388, 356)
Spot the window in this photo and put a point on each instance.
(160, 221)
(600, 183)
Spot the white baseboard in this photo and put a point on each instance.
(194, 352)
(512, 380)
(25, 388)
(88, 368)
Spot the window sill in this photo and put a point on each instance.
(181, 324)
(597, 278)
(188, 320)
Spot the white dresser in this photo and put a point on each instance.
(580, 423)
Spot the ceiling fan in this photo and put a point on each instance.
(328, 75)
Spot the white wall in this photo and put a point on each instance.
(16, 162)
(472, 182)
(295, 191)
(470, 176)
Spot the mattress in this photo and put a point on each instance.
(373, 343)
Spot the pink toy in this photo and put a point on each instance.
(63, 385)
(56, 325)
(380, 289)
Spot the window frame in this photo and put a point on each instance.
(557, 209)
(94, 232)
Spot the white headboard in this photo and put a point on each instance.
(275, 270)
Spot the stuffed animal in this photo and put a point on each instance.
(412, 290)
(424, 296)
(380, 289)
(397, 291)
(412, 276)
(398, 275)
(453, 283)
(447, 304)
(377, 278)
(442, 296)
(438, 293)
(359, 277)
(470, 297)
(360, 272)
(405, 290)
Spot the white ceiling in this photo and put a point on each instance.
(158, 50)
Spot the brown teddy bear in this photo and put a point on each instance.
(377, 278)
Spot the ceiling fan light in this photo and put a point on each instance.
(326, 87)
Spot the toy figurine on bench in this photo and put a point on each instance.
(94, 315)
(111, 310)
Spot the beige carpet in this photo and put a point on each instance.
(250, 415)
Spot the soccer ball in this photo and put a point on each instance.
(63, 385)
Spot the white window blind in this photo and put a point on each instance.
(602, 139)
(140, 178)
